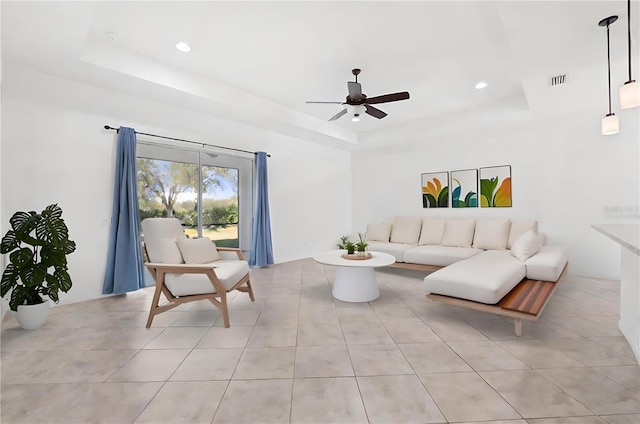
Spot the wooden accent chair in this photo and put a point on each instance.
(188, 270)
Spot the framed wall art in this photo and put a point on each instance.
(435, 190)
(464, 188)
(495, 186)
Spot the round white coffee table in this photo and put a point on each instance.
(355, 279)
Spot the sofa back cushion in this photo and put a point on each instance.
(378, 232)
(406, 229)
(432, 231)
(491, 234)
(458, 232)
(518, 228)
(527, 245)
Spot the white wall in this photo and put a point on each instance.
(564, 174)
(55, 151)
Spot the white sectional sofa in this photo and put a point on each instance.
(479, 261)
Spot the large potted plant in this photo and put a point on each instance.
(38, 245)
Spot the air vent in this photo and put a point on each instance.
(558, 80)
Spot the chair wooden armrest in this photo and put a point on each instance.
(181, 268)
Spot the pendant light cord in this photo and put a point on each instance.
(609, 67)
(629, 34)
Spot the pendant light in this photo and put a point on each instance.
(610, 124)
(630, 91)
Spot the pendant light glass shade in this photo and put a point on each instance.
(630, 95)
(630, 91)
(610, 124)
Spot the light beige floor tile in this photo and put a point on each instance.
(395, 313)
(594, 390)
(236, 336)
(585, 327)
(356, 313)
(537, 354)
(627, 375)
(177, 338)
(455, 330)
(20, 367)
(411, 332)
(320, 335)
(91, 366)
(385, 359)
(590, 353)
(184, 402)
(327, 400)
(322, 361)
(498, 422)
(486, 356)
(532, 395)
(272, 336)
(278, 317)
(150, 365)
(618, 344)
(127, 338)
(622, 419)
(433, 358)
(41, 403)
(466, 397)
(197, 318)
(241, 317)
(265, 362)
(116, 319)
(256, 401)
(398, 399)
(208, 364)
(568, 420)
(113, 403)
(366, 333)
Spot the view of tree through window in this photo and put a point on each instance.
(170, 189)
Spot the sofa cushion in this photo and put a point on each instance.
(519, 227)
(406, 229)
(378, 232)
(527, 245)
(198, 251)
(228, 272)
(394, 249)
(458, 232)
(438, 255)
(486, 277)
(164, 251)
(432, 231)
(491, 234)
(547, 264)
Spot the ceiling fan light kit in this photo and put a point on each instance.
(361, 102)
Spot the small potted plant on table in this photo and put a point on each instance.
(38, 245)
(361, 246)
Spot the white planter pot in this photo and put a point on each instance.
(32, 317)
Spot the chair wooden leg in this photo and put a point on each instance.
(253, 299)
(224, 309)
(154, 304)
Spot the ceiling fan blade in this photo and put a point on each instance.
(385, 98)
(355, 90)
(376, 113)
(329, 103)
(338, 115)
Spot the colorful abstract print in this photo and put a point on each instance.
(470, 199)
(492, 198)
(434, 194)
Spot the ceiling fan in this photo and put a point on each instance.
(357, 98)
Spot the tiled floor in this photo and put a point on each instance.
(297, 355)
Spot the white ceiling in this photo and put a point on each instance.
(256, 63)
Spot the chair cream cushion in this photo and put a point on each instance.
(518, 228)
(527, 245)
(406, 229)
(432, 231)
(228, 272)
(198, 251)
(164, 251)
(491, 234)
(458, 232)
(378, 232)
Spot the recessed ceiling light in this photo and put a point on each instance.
(183, 47)
(481, 85)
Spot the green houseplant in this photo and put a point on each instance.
(346, 244)
(38, 245)
(361, 245)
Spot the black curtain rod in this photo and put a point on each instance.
(107, 127)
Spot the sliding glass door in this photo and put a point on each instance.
(210, 193)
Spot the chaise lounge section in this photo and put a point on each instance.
(489, 264)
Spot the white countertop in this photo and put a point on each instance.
(627, 235)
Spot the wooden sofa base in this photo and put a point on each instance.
(526, 301)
